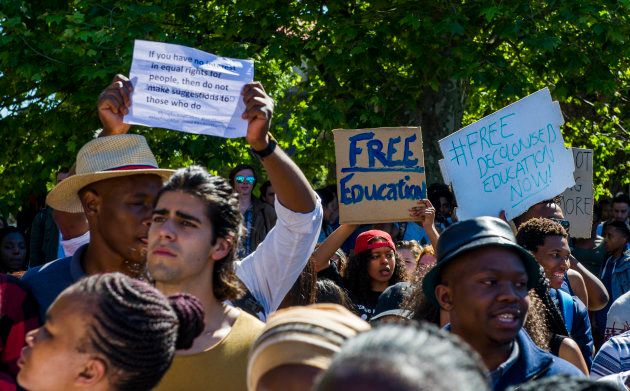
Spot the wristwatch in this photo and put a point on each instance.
(271, 146)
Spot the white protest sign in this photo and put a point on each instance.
(509, 160)
(185, 89)
(577, 201)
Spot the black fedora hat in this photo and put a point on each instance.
(472, 234)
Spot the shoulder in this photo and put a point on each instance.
(246, 321)
(45, 271)
(563, 367)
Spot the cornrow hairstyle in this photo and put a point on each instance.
(225, 217)
(241, 167)
(408, 357)
(532, 233)
(357, 280)
(135, 328)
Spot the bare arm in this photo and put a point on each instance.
(570, 351)
(424, 213)
(326, 249)
(292, 188)
(597, 294)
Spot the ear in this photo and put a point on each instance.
(221, 248)
(444, 296)
(91, 202)
(94, 372)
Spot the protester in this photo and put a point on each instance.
(108, 332)
(409, 251)
(373, 267)
(578, 281)
(407, 357)
(481, 279)
(328, 258)
(618, 318)
(619, 210)
(297, 344)
(268, 193)
(613, 357)
(615, 274)
(328, 197)
(548, 242)
(192, 242)
(545, 326)
(258, 217)
(441, 196)
(13, 251)
(116, 183)
(390, 306)
(18, 316)
(329, 292)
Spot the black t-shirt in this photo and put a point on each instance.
(367, 308)
(331, 273)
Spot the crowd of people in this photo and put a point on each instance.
(136, 277)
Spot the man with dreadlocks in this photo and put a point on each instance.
(547, 241)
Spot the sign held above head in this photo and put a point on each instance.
(185, 89)
(380, 173)
(509, 160)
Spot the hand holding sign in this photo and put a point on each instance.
(185, 89)
(511, 159)
(258, 112)
(113, 104)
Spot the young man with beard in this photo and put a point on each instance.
(482, 278)
(192, 243)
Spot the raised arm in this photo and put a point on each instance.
(597, 294)
(113, 104)
(326, 249)
(292, 188)
(424, 213)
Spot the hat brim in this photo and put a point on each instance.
(65, 196)
(395, 312)
(432, 278)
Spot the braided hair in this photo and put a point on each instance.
(136, 329)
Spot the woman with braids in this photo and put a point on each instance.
(545, 325)
(547, 240)
(373, 267)
(109, 332)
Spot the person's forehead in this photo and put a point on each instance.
(555, 241)
(178, 201)
(245, 172)
(620, 205)
(489, 258)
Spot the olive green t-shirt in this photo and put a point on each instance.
(222, 367)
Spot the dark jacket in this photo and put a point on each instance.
(534, 363)
(44, 242)
(264, 218)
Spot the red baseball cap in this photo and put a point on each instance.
(362, 243)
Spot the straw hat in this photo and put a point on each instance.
(104, 158)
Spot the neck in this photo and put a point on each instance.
(244, 201)
(200, 287)
(379, 286)
(100, 258)
(492, 353)
(617, 253)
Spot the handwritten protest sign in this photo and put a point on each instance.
(577, 201)
(380, 173)
(509, 160)
(185, 89)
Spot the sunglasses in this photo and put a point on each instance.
(566, 224)
(243, 179)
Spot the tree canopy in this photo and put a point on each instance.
(342, 64)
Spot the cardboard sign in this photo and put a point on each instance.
(380, 173)
(577, 201)
(185, 89)
(509, 160)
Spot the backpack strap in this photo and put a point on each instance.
(566, 307)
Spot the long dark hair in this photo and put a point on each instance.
(359, 283)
